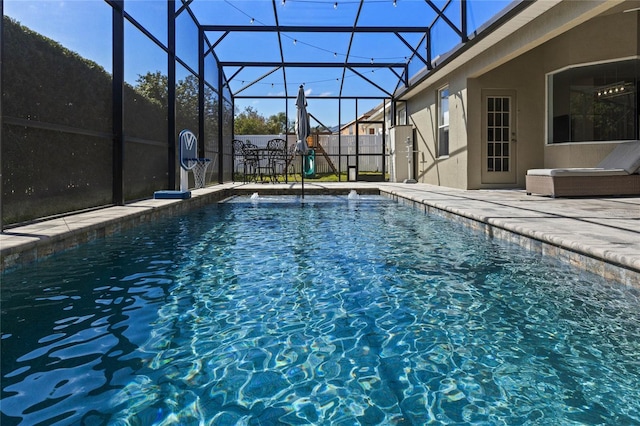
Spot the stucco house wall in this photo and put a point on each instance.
(568, 33)
(523, 75)
(604, 38)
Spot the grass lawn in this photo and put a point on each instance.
(328, 177)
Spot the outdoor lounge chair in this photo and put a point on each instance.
(617, 174)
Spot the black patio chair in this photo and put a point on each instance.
(290, 165)
(248, 159)
(277, 154)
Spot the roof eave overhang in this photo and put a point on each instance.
(514, 18)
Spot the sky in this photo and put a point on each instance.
(69, 21)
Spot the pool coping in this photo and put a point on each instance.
(610, 260)
(603, 242)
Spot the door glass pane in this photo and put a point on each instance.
(498, 133)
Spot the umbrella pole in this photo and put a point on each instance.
(302, 172)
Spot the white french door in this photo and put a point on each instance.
(499, 136)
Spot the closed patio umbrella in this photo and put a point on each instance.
(302, 129)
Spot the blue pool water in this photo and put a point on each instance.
(331, 311)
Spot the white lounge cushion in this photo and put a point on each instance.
(588, 171)
(623, 160)
(624, 156)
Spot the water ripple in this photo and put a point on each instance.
(324, 313)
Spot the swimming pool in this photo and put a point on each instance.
(331, 311)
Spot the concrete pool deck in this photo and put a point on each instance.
(601, 235)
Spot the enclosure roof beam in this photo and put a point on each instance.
(314, 64)
(311, 29)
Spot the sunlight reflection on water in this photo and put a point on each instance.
(331, 311)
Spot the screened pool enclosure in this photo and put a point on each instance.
(94, 93)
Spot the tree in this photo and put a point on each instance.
(277, 124)
(153, 85)
(250, 122)
(187, 103)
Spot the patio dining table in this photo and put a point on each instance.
(264, 158)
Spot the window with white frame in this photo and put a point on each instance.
(594, 102)
(443, 121)
(401, 113)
